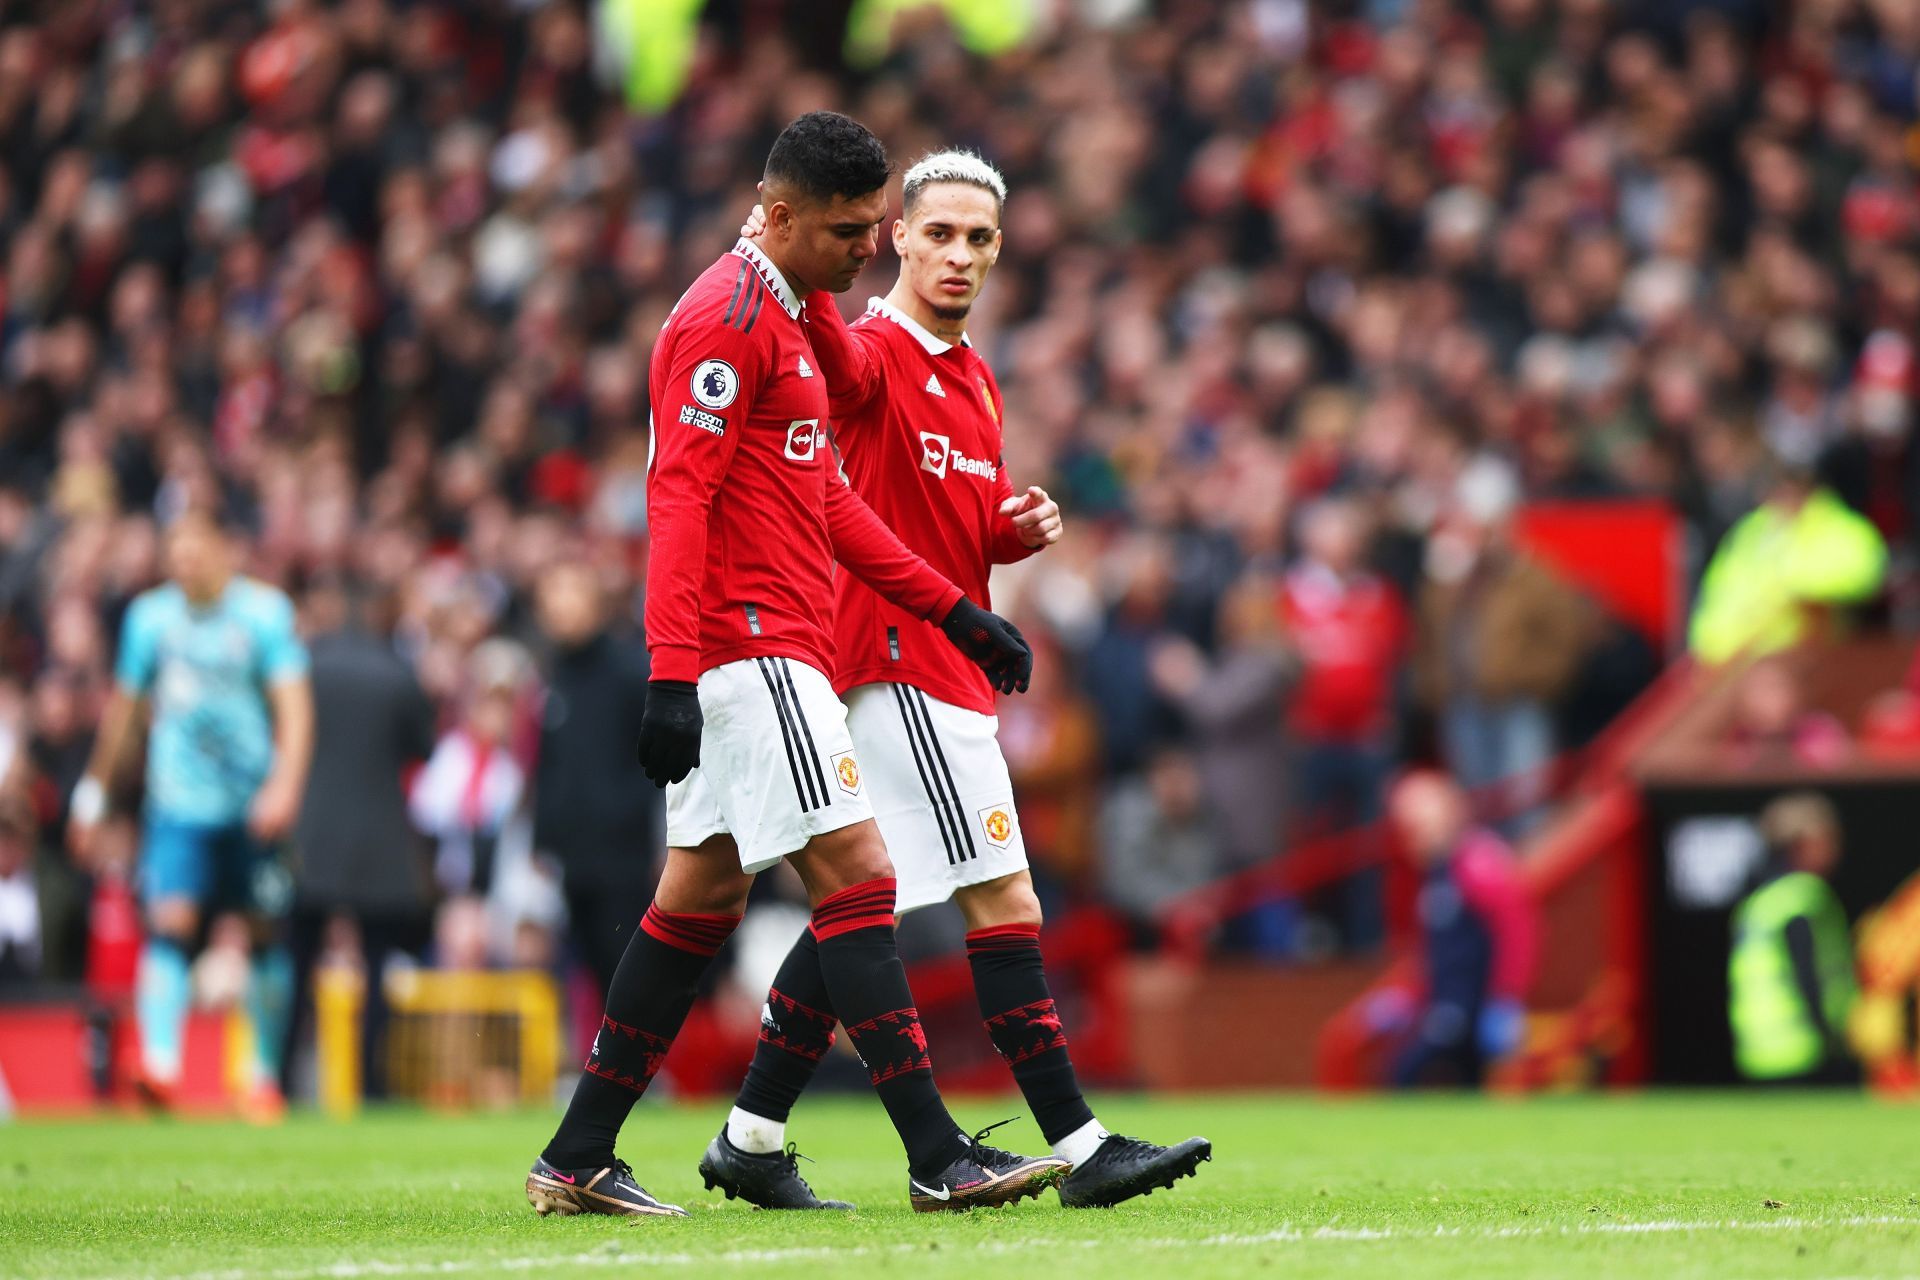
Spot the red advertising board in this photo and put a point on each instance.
(1628, 554)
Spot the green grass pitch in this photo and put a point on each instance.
(1646, 1187)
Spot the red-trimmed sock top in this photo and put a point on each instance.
(1003, 937)
(868, 905)
(698, 932)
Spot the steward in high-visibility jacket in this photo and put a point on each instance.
(1790, 976)
(647, 46)
(1800, 551)
(984, 27)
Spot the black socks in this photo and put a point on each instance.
(867, 987)
(647, 1000)
(795, 1033)
(1011, 983)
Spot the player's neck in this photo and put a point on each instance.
(210, 596)
(772, 253)
(904, 299)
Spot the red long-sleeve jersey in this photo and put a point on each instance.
(746, 511)
(917, 424)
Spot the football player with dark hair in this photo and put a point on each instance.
(747, 516)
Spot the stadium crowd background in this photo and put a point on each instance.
(1296, 303)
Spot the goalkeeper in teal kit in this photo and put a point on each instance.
(215, 659)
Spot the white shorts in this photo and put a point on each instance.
(939, 789)
(776, 765)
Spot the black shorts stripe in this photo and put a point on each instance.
(759, 300)
(813, 752)
(809, 757)
(972, 850)
(739, 285)
(786, 734)
(926, 781)
(941, 792)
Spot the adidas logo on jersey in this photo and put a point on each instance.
(805, 371)
(933, 385)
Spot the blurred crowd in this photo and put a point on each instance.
(1299, 303)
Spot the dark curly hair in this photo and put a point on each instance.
(824, 154)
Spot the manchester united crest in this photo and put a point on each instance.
(997, 822)
(847, 770)
(987, 396)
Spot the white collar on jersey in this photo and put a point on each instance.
(771, 274)
(924, 336)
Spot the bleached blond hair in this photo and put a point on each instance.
(953, 166)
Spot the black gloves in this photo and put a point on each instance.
(671, 723)
(670, 731)
(993, 643)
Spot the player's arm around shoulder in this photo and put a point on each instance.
(851, 364)
(852, 360)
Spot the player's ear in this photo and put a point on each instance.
(995, 255)
(900, 237)
(779, 217)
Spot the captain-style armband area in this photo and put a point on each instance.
(89, 802)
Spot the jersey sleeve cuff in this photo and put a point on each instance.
(1007, 547)
(676, 662)
(944, 604)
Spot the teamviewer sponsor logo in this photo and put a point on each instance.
(803, 437)
(933, 453)
(938, 455)
(972, 466)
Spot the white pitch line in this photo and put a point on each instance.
(615, 1254)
